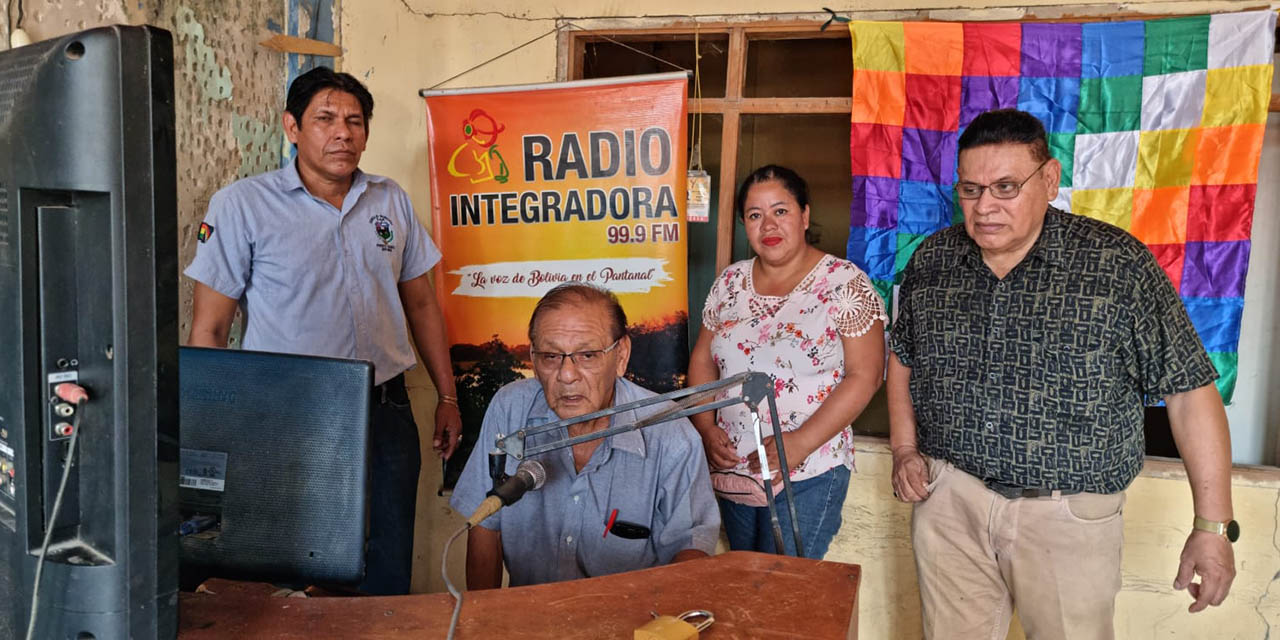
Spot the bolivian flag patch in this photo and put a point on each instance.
(205, 232)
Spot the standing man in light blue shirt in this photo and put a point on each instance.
(327, 260)
(629, 501)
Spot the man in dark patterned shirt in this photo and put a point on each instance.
(1027, 341)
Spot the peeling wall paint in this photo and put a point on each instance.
(202, 65)
(70, 15)
(228, 93)
(259, 144)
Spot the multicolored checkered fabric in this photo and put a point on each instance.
(1158, 125)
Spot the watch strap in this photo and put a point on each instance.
(1211, 526)
(1229, 529)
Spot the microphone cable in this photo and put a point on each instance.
(533, 475)
(444, 572)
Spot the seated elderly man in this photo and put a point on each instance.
(628, 501)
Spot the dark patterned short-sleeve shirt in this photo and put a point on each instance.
(1038, 380)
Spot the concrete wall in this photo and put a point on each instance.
(401, 46)
(1255, 413)
(876, 535)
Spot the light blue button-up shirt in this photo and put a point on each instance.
(656, 477)
(313, 279)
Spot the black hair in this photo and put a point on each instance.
(578, 293)
(1007, 126)
(791, 181)
(307, 85)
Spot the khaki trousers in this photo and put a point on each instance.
(978, 553)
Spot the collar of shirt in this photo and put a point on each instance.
(1048, 248)
(291, 181)
(629, 441)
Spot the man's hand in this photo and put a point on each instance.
(1209, 556)
(448, 429)
(797, 448)
(720, 452)
(910, 475)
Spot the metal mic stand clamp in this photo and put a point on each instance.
(756, 388)
(498, 468)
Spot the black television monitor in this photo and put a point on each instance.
(274, 466)
(89, 293)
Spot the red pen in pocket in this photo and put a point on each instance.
(609, 525)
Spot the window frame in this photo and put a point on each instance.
(733, 105)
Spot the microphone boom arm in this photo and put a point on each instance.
(756, 388)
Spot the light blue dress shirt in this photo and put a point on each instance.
(313, 279)
(655, 477)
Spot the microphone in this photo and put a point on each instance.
(529, 476)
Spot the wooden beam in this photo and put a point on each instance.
(681, 28)
(734, 81)
(773, 105)
(304, 46)
(577, 51)
(725, 216)
(1275, 103)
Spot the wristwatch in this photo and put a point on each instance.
(1230, 528)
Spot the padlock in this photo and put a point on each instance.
(675, 627)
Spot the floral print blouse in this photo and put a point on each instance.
(796, 339)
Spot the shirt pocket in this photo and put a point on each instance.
(613, 554)
(1076, 366)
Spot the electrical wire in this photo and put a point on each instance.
(444, 572)
(695, 135)
(567, 25)
(57, 506)
(627, 46)
(500, 55)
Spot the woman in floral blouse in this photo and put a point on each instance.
(814, 323)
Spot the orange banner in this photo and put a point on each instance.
(539, 185)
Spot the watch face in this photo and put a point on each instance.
(1233, 531)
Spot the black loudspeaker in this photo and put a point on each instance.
(88, 294)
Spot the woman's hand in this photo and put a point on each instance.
(797, 448)
(720, 452)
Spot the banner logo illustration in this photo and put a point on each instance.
(481, 160)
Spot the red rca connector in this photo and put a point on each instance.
(71, 392)
(63, 429)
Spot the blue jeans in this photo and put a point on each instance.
(395, 461)
(819, 501)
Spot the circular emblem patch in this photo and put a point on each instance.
(382, 227)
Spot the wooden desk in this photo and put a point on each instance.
(753, 595)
